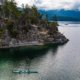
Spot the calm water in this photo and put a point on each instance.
(53, 63)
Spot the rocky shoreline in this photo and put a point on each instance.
(27, 27)
(36, 35)
(39, 40)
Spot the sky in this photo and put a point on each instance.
(52, 4)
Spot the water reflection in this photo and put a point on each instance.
(52, 63)
(22, 59)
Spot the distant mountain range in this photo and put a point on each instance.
(63, 15)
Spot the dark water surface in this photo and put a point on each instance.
(51, 63)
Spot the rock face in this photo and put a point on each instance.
(26, 27)
(34, 36)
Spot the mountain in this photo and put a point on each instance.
(63, 15)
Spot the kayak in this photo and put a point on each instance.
(24, 71)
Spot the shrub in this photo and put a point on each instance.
(53, 27)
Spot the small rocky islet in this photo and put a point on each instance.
(27, 27)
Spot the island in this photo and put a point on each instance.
(25, 26)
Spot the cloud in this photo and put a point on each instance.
(52, 4)
(29, 2)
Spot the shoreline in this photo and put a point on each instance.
(27, 27)
(33, 44)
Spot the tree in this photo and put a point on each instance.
(1, 32)
(10, 9)
(53, 25)
(27, 14)
(53, 28)
(0, 11)
(13, 32)
(35, 17)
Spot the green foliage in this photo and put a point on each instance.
(35, 15)
(53, 23)
(24, 18)
(53, 27)
(10, 9)
(0, 11)
(30, 15)
(13, 32)
(1, 32)
(27, 14)
(25, 28)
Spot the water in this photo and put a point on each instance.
(52, 63)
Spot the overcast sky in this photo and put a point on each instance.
(52, 4)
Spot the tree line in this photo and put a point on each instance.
(16, 19)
